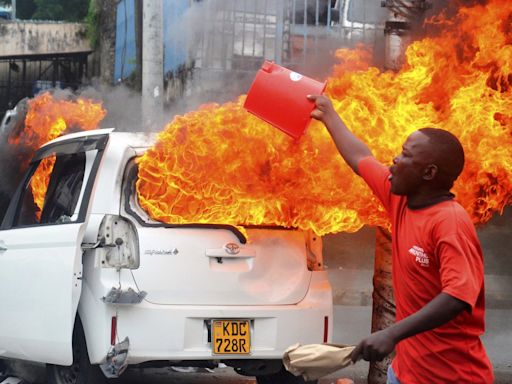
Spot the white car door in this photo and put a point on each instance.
(40, 251)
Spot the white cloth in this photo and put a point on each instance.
(313, 361)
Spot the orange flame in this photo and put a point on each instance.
(222, 165)
(39, 183)
(48, 118)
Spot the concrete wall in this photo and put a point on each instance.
(34, 38)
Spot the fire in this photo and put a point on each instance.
(48, 118)
(39, 183)
(221, 165)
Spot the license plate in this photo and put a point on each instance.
(231, 337)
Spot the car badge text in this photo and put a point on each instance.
(173, 251)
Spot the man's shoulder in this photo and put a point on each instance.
(370, 161)
(369, 167)
(451, 215)
(451, 209)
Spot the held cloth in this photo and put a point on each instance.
(313, 361)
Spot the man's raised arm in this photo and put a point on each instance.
(351, 148)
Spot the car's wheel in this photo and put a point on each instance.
(282, 377)
(81, 371)
(3, 371)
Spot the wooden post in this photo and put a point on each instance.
(383, 311)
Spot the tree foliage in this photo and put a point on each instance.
(24, 8)
(93, 19)
(65, 10)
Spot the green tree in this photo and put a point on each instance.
(24, 8)
(68, 10)
(65, 10)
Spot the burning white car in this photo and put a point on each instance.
(91, 284)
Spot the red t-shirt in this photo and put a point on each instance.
(435, 249)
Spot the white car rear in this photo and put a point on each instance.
(146, 292)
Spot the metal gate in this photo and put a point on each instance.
(236, 33)
(25, 76)
(231, 38)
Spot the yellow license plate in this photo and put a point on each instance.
(231, 337)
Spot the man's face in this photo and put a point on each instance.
(408, 169)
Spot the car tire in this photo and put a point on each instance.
(3, 371)
(282, 377)
(81, 371)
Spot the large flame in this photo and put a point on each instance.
(48, 118)
(221, 165)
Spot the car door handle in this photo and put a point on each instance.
(3, 247)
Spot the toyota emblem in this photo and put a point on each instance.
(232, 248)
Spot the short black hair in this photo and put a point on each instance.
(448, 153)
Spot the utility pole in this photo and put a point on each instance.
(107, 39)
(152, 63)
(138, 45)
(13, 12)
(404, 16)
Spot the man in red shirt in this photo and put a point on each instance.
(438, 277)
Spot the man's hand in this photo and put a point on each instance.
(437, 312)
(324, 111)
(375, 347)
(350, 147)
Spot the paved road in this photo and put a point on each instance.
(220, 375)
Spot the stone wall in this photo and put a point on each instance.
(35, 38)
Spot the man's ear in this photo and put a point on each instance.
(430, 172)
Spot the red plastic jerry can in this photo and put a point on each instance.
(278, 96)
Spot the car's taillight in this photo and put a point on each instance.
(113, 330)
(326, 329)
(118, 243)
(314, 252)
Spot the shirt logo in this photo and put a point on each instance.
(420, 255)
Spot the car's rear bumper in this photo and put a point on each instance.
(180, 332)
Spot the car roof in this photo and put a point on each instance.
(131, 139)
